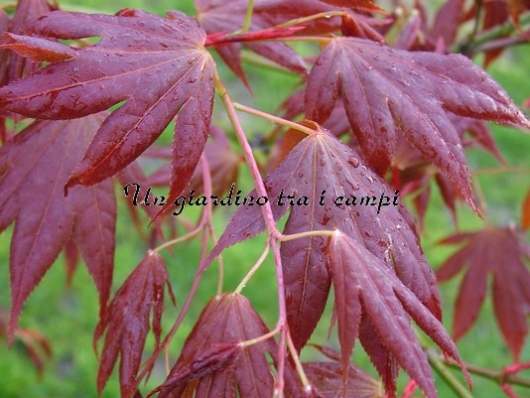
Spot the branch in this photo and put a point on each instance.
(499, 376)
(479, 43)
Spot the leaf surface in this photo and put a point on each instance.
(213, 364)
(127, 322)
(322, 166)
(386, 92)
(157, 66)
(326, 377)
(34, 166)
(364, 283)
(502, 253)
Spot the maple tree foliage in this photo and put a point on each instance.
(385, 108)
(501, 252)
(87, 215)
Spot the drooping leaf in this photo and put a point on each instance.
(158, 66)
(34, 166)
(502, 253)
(127, 322)
(323, 174)
(364, 283)
(37, 346)
(412, 173)
(213, 364)
(447, 21)
(388, 92)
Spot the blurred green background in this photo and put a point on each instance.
(68, 316)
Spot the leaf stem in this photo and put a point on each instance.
(268, 216)
(300, 235)
(274, 119)
(253, 270)
(206, 215)
(259, 339)
(441, 368)
(248, 17)
(317, 39)
(298, 21)
(298, 365)
(498, 376)
(474, 44)
(179, 239)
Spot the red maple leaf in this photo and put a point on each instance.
(412, 173)
(326, 378)
(37, 346)
(158, 66)
(31, 182)
(127, 322)
(214, 364)
(387, 92)
(363, 284)
(329, 174)
(502, 253)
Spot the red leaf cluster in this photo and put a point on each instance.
(87, 215)
(406, 93)
(158, 66)
(404, 107)
(127, 322)
(502, 253)
(213, 363)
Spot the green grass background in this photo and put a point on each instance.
(67, 316)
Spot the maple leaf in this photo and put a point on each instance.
(412, 173)
(387, 92)
(127, 322)
(222, 16)
(502, 253)
(214, 364)
(31, 182)
(37, 346)
(326, 377)
(364, 283)
(158, 66)
(322, 166)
